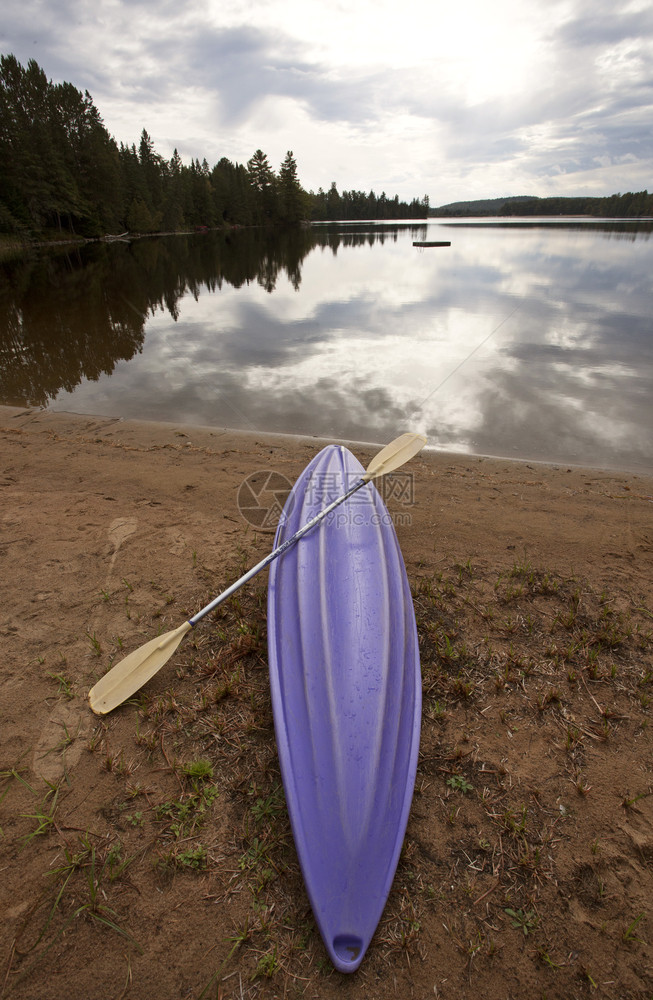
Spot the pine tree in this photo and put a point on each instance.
(333, 203)
(260, 171)
(152, 170)
(291, 196)
(38, 185)
(262, 180)
(173, 202)
(139, 218)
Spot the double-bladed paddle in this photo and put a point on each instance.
(138, 667)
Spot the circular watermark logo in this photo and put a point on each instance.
(261, 498)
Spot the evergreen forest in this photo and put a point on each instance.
(62, 173)
(631, 205)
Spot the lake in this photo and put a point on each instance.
(529, 339)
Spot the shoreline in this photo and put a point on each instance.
(453, 506)
(155, 428)
(86, 502)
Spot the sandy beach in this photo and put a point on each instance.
(529, 875)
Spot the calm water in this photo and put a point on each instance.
(523, 340)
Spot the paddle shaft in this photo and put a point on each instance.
(274, 554)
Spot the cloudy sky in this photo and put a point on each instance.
(461, 100)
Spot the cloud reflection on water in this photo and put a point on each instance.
(564, 374)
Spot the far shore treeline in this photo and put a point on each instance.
(62, 173)
(636, 204)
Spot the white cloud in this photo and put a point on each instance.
(454, 100)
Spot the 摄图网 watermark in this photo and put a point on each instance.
(263, 495)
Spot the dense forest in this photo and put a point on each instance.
(620, 206)
(61, 172)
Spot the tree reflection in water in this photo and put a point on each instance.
(72, 314)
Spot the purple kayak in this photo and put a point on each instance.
(346, 696)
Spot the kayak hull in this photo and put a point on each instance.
(346, 696)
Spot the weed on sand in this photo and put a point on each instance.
(167, 857)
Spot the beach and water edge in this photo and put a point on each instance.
(527, 862)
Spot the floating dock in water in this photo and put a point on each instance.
(432, 244)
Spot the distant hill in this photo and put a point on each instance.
(484, 206)
(622, 206)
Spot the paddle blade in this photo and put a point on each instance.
(123, 680)
(394, 455)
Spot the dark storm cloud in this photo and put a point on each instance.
(48, 39)
(246, 65)
(242, 66)
(604, 28)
